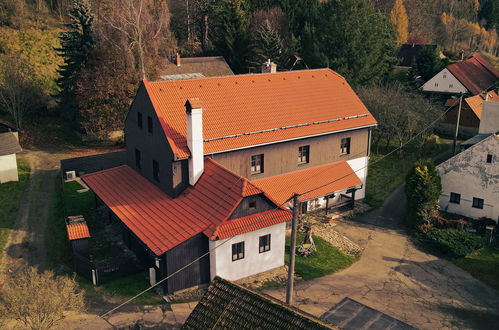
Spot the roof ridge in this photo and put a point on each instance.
(246, 75)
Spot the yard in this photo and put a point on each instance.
(483, 265)
(10, 193)
(385, 175)
(71, 202)
(328, 259)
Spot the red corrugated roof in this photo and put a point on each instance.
(77, 231)
(162, 222)
(323, 180)
(234, 105)
(476, 74)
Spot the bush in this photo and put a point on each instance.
(454, 243)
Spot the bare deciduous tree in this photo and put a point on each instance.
(39, 300)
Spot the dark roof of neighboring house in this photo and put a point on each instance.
(349, 314)
(196, 67)
(226, 305)
(236, 109)
(162, 222)
(475, 73)
(9, 144)
(408, 53)
(311, 182)
(7, 126)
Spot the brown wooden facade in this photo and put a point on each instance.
(468, 117)
(282, 157)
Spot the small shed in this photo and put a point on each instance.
(78, 235)
(9, 147)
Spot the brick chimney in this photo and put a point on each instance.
(269, 67)
(194, 120)
(178, 60)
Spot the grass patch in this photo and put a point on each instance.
(66, 202)
(10, 193)
(271, 285)
(385, 175)
(327, 260)
(483, 265)
(124, 288)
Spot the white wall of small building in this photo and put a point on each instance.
(489, 123)
(469, 175)
(444, 82)
(254, 262)
(8, 168)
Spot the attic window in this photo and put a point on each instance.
(149, 124)
(139, 119)
(490, 158)
(451, 85)
(445, 76)
(436, 84)
(252, 205)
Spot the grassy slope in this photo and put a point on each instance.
(384, 176)
(482, 264)
(9, 199)
(327, 260)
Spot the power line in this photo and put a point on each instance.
(259, 220)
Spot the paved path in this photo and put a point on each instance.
(398, 279)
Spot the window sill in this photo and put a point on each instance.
(255, 174)
(303, 164)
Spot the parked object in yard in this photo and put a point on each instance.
(307, 247)
(9, 147)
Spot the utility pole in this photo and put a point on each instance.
(292, 251)
(454, 145)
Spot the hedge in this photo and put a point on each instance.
(454, 243)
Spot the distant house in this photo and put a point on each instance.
(472, 76)
(9, 147)
(226, 305)
(408, 53)
(195, 67)
(471, 113)
(470, 180)
(201, 158)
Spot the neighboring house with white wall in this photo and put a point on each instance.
(472, 76)
(199, 151)
(9, 147)
(470, 180)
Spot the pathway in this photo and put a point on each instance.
(400, 280)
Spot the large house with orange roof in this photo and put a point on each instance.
(212, 164)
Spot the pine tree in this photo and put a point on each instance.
(230, 32)
(400, 21)
(76, 45)
(268, 45)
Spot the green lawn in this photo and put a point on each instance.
(482, 264)
(67, 202)
(327, 260)
(9, 200)
(384, 176)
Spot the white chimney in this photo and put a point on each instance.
(269, 67)
(177, 62)
(194, 119)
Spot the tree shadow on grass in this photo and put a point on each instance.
(473, 319)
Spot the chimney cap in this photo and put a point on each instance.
(193, 103)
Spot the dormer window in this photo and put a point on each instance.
(252, 205)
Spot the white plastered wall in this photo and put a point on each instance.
(360, 166)
(8, 168)
(254, 262)
(444, 82)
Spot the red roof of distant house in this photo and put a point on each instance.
(476, 74)
(162, 222)
(77, 231)
(246, 110)
(312, 182)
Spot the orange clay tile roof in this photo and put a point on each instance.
(322, 180)
(312, 102)
(162, 222)
(77, 231)
(476, 102)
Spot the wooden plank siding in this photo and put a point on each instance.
(174, 177)
(262, 204)
(282, 157)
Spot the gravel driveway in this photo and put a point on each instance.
(398, 279)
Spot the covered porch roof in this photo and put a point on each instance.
(310, 183)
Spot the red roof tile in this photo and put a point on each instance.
(475, 73)
(323, 180)
(162, 222)
(475, 102)
(77, 231)
(234, 105)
